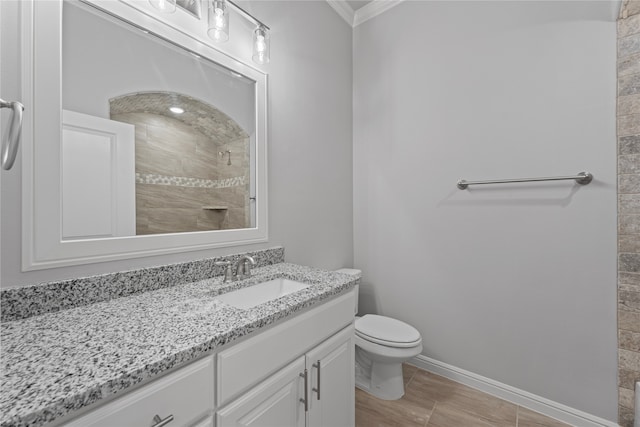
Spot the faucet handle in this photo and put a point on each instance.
(228, 271)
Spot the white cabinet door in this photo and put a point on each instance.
(273, 403)
(331, 382)
(209, 421)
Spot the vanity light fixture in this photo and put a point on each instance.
(166, 6)
(176, 110)
(217, 25)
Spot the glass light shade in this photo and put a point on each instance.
(218, 20)
(261, 45)
(166, 6)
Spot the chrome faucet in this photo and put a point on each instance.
(243, 267)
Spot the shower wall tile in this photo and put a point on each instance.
(628, 359)
(628, 45)
(626, 378)
(631, 279)
(629, 164)
(629, 340)
(629, 124)
(179, 170)
(628, 184)
(629, 84)
(629, 26)
(628, 132)
(625, 416)
(629, 263)
(629, 65)
(633, 7)
(629, 104)
(625, 398)
(628, 300)
(630, 144)
(629, 224)
(629, 204)
(629, 321)
(629, 243)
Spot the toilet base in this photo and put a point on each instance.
(382, 380)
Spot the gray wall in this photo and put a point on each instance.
(514, 283)
(310, 157)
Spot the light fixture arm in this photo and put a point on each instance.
(247, 15)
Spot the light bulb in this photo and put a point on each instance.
(218, 20)
(261, 45)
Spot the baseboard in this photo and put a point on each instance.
(531, 401)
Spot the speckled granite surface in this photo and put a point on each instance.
(56, 363)
(20, 303)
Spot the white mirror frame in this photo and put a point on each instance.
(43, 246)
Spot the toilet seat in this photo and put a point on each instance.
(387, 331)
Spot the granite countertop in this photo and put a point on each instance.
(56, 363)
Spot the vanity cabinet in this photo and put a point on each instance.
(331, 381)
(297, 373)
(314, 390)
(274, 402)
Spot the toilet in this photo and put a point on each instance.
(382, 345)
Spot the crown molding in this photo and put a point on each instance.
(343, 9)
(373, 9)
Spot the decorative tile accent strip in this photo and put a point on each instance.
(183, 181)
(24, 302)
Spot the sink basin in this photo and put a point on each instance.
(262, 292)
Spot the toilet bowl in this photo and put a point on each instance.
(382, 345)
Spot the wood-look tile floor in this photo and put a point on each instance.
(434, 401)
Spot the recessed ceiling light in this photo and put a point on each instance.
(176, 110)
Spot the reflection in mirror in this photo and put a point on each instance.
(192, 163)
(156, 139)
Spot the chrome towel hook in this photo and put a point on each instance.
(12, 140)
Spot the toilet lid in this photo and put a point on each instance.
(387, 331)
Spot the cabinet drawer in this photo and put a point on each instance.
(186, 394)
(249, 362)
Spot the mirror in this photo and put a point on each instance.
(191, 125)
(162, 139)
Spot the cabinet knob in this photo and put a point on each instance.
(159, 422)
